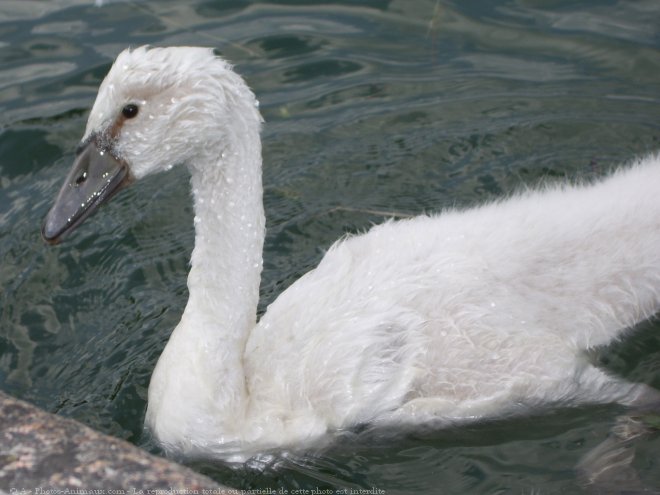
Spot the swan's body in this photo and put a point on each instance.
(448, 318)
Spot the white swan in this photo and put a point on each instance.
(449, 318)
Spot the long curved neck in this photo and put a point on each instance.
(198, 385)
(226, 262)
(229, 232)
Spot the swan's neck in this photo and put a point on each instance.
(229, 233)
(227, 259)
(199, 381)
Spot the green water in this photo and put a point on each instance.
(400, 106)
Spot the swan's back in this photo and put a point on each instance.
(467, 313)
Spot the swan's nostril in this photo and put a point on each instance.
(81, 178)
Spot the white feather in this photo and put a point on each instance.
(468, 314)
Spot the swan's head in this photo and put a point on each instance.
(156, 108)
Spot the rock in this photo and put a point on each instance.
(45, 454)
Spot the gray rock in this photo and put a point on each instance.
(45, 454)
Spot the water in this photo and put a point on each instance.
(371, 106)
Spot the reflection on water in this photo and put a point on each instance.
(400, 106)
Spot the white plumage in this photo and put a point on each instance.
(465, 315)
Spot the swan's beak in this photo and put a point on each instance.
(95, 177)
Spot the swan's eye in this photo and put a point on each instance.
(130, 111)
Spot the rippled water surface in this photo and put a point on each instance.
(371, 106)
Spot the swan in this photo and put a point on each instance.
(444, 319)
